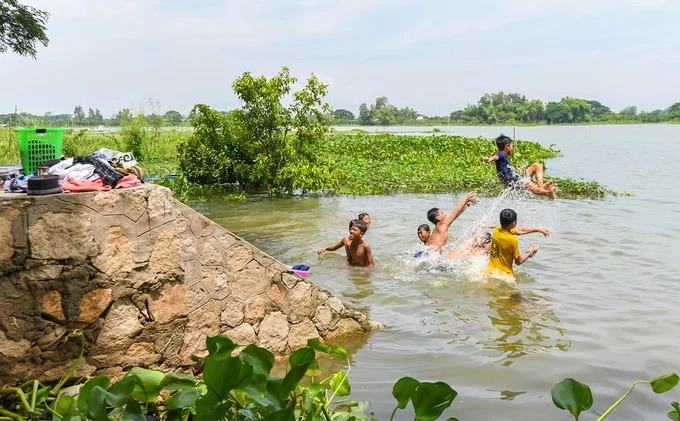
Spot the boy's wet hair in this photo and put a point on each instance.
(502, 141)
(508, 216)
(432, 215)
(353, 222)
(483, 239)
(361, 216)
(424, 227)
(362, 226)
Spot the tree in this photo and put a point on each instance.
(630, 110)
(674, 111)
(21, 27)
(173, 118)
(264, 144)
(365, 115)
(598, 109)
(342, 114)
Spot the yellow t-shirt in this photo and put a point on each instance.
(503, 251)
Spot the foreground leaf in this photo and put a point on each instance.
(572, 396)
(664, 383)
(403, 390)
(431, 399)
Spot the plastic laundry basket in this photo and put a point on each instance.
(39, 145)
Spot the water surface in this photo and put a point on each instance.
(599, 302)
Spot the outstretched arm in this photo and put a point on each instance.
(489, 159)
(526, 256)
(331, 248)
(523, 231)
(469, 200)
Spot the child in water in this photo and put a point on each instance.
(510, 179)
(477, 245)
(423, 236)
(504, 250)
(358, 251)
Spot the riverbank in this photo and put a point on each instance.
(363, 163)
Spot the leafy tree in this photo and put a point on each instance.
(598, 110)
(630, 110)
(365, 115)
(121, 117)
(265, 144)
(568, 110)
(21, 27)
(342, 114)
(674, 111)
(173, 118)
(456, 115)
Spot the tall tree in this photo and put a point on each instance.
(173, 118)
(21, 28)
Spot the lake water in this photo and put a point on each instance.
(600, 302)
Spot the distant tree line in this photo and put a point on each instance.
(93, 118)
(510, 108)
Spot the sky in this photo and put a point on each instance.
(435, 56)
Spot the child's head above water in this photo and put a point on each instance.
(365, 218)
(432, 215)
(504, 144)
(424, 233)
(357, 223)
(508, 217)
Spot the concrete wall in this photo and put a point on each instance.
(145, 279)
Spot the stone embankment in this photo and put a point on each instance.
(145, 279)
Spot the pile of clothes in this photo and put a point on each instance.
(104, 169)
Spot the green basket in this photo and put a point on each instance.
(39, 145)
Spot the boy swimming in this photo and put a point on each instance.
(357, 250)
(442, 222)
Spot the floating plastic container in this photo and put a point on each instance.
(39, 145)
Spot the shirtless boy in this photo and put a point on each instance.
(442, 222)
(358, 251)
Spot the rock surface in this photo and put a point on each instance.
(145, 279)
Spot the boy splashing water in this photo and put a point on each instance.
(512, 180)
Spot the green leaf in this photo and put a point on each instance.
(224, 374)
(219, 344)
(431, 399)
(572, 396)
(335, 351)
(675, 413)
(65, 405)
(403, 390)
(84, 394)
(178, 381)
(261, 359)
(133, 411)
(299, 361)
(340, 384)
(147, 383)
(96, 404)
(286, 414)
(664, 383)
(182, 399)
(119, 393)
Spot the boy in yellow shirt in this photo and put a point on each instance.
(504, 248)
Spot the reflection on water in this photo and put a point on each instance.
(526, 323)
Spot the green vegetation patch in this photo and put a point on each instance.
(388, 163)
